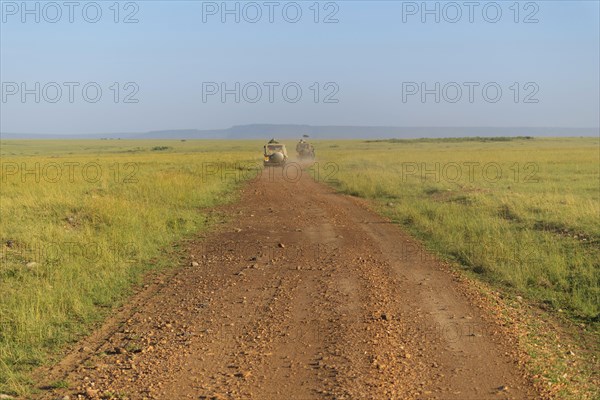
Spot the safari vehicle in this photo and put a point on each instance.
(305, 150)
(275, 154)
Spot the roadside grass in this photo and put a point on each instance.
(522, 216)
(73, 245)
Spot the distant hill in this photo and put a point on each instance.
(264, 131)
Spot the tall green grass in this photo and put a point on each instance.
(72, 246)
(530, 223)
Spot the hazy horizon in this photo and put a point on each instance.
(287, 131)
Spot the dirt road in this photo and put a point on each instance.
(304, 294)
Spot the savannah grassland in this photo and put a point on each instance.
(93, 216)
(523, 213)
(522, 216)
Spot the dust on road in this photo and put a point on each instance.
(303, 294)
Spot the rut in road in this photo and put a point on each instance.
(303, 294)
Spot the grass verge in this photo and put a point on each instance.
(521, 215)
(82, 222)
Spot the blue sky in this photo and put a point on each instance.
(367, 63)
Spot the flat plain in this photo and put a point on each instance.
(84, 223)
